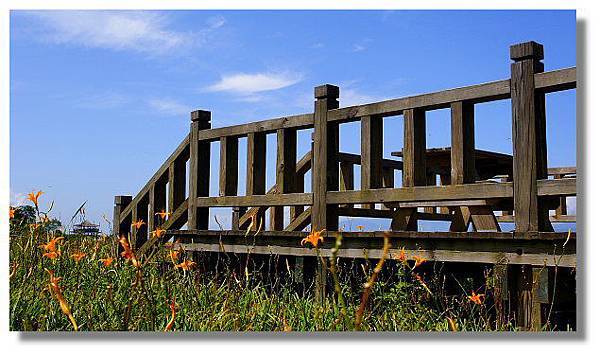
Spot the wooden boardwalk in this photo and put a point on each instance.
(458, 184)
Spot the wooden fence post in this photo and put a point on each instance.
(325, 171)
(414, 171)
(286, 171)
(256, 171)
(529, 165)
(371, 154)
(121, 202)
(199, 173)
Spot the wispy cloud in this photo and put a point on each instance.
(140, 31)
(361, 45)
(248, 84)
(169, 106)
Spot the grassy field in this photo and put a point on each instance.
(83, 283)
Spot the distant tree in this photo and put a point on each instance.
(23, 215)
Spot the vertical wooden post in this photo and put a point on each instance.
(325, 171)
(199, 173)
(325, 166)
(177, 187)
(529, 138)
(371, 154)
(388, 182)
(463, 143)
(529, 165)
(121, 202)
(158, 202)
(346, 178)
(256, 170)
(140, 235)
(286, 171)
(414, 171)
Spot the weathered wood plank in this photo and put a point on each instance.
(557, 187)
(199, 171)
(301, 121)
(529, 138)
(285, 171)
(291, 199)
(325, 170)
(256, 166)
(228, 172)
(463, 143)
(371, 153)
(300, 222)
(121, 203)
(424, 193)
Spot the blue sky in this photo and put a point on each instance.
(100, 99)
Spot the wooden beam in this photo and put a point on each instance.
(346, 178)
(285, 172)
(176, 183)
(199, 174)
(463, 143)
(529, 138)
(121, 202)
(256, 173)
(291, 199)
(325, 171)
(371, 152)
(228, 172)
(414, 170)
(424, 194)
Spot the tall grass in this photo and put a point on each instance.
(228, 295)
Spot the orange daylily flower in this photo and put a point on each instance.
(33, 197)
(138, 224)
(401, 255)
(127, 253)
(313, 238)
(107, 261)
(52, 254)
(11, 213)
(360, 228)
(77, 256)
(174, 255)
(476, 298)
(158, 233)
(57, 292)
(186, 265)
(163, 214)
(51, 245)
(418, 261)
(173, 307)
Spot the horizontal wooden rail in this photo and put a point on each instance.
(268, 126)
(552, 81)
(557, 187)
(290, 199)
(422, 193)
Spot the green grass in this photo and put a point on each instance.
(223, 297)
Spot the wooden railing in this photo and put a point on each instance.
(460, 197)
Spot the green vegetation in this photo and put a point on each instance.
(165, 289)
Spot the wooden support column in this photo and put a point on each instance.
(140, 213)
(561, 210)
(325, 170)
(286, 171)
(325, 173)
(414, 172)
(346, 178)
(177, 188)
(228, 172)
(388, 181)
(371, 154)
(529, 138)
(199, 174)
(121, 202)
(256, 171)
(158, 203)
(529, 165)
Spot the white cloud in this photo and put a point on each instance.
(351, 97)
(169, 106)
(140, 31)
(248, 84)
(361, 45)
